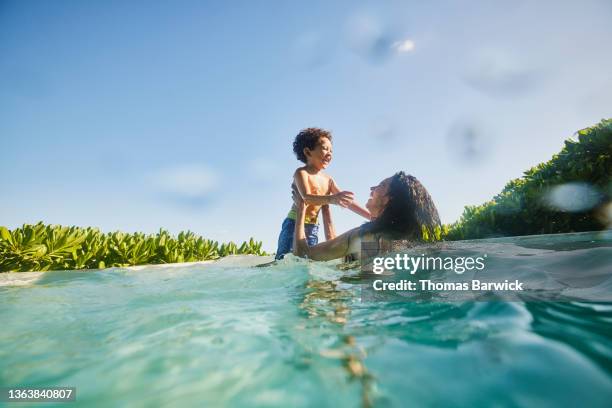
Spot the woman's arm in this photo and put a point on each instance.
(359, 210)
(328, 250)
(328, 225)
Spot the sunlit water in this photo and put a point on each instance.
(299, 334)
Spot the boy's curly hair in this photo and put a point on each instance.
(309, 138)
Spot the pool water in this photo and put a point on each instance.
(299, 333)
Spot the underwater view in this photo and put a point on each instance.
(300, 333)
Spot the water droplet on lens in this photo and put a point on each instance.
(371, 39)
(572, 197)
(468, 142)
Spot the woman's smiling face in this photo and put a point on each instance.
(321, 155)
(379, 197)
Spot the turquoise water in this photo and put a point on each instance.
(299, 334)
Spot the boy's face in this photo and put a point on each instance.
(321, 155)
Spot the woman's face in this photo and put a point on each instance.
(379, 197)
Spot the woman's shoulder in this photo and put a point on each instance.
(381, 243)
(363, 244)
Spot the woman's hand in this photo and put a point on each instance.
(297, 197)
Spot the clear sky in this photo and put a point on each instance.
(181, 114)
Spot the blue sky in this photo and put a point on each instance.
(140, 115)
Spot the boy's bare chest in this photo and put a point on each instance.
(318, 185)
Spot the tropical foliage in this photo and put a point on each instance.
(521, 208)
(51, 247)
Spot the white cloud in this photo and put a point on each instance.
(264, 170)
(312, 49)
(403, 46)
(499, 72)
(188, 180)
(376, 39)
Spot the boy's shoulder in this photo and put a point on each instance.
(300, 171)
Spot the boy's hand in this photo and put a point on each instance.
(343, 198)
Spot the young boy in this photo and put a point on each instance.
(313, 147)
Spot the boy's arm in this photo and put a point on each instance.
(325, 251)
(328, 225)
(353, 206)
(341, 198)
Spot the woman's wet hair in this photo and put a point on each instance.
(409, 210)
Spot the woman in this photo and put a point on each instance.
(401, 209)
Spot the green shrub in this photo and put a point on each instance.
(51, 247)
(520, 209)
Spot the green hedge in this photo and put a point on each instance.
(520, 209)
(53, 247)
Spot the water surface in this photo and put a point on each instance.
(299, 333)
